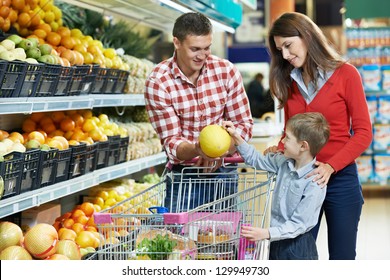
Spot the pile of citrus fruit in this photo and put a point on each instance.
(42, 19)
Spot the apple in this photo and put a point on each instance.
(15, 38)
(45, 49)
(25, 44)
(33, 53)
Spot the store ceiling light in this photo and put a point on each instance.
(184, 9)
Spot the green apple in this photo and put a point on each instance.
(25, 44)
(15, 38)
(45, 49)
(47, 58)
(33, 53)
(33, 144)
(34, 41)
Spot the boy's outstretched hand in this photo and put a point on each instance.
(254, 233)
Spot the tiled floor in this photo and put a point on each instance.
(374, 229)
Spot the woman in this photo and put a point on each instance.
(308, 75)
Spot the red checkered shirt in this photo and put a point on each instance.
(178, 109)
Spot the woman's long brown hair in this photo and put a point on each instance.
(320, 54)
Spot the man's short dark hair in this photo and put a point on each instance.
(191, 24)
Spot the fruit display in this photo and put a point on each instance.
(214, 140)
(40, 242)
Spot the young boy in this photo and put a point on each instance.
(296, 200)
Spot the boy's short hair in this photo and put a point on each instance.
(191, 24)
(311, 127)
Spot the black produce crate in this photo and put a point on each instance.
(116, 81)
(114, 142)
(77, 160)
(31, 161)
(102, 154)
(32, 79)
(98, 86)
(89, 80)
(11, 173)
(49, 80)
(123, 76)
(79, 79)
(64, 81)
(46, 171)
(123, 147)
(12, 75)
(62, 165)
(91, 158)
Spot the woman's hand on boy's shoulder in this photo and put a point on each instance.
(321, 174)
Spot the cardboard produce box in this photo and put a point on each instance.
(46, 213)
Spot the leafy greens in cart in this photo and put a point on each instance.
(158, 248)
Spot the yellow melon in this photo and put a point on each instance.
(214, 140)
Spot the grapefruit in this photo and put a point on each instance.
(10, 234)
(214, 140)
(15, 253)
(69, 248)
(41, 240)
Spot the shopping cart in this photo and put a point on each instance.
(141, 227)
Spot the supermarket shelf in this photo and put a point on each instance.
(31, 199)
(55, 103)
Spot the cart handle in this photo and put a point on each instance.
(234, 159)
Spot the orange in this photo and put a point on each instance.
(81, 220)
(69, 55)
(79, 58)
(4, 11)
(89, 125)
(68, 223)
(24, 19)
(64, 31)
(87, 208)
(40, 33)
(16, 137)
(36, 135)
(18, 4)
(57, 116)
(67, 41)
(78, 119)
(63, 140)
(87, 239)
(35, 19)
(44, 26)
(78, 227)
(56, 132)
(77, 212)
(53, 38)
(29, 125)
(45, 120)
(55, 144)
(67, 124)
(67, 233)
(49, 128)
(13, 16)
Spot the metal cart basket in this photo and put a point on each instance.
(141, 227)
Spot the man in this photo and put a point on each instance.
(187, 92)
